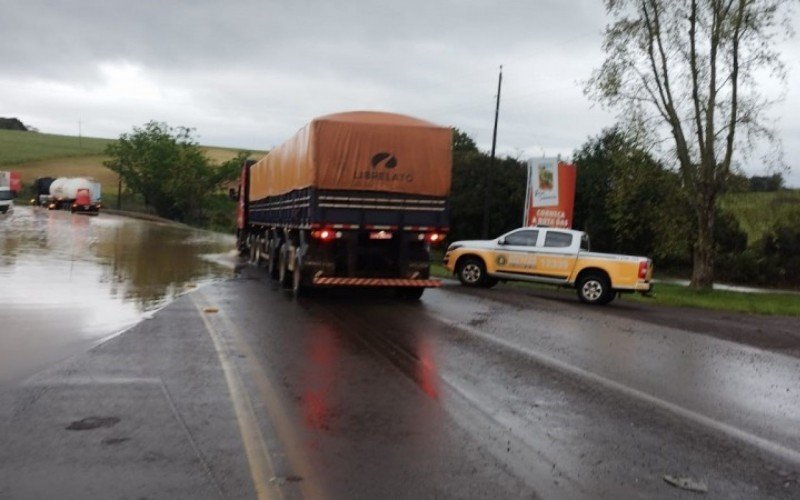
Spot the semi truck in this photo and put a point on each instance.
(76, 194)
(353, 199)
(41, 191)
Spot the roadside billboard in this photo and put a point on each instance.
(550, 193)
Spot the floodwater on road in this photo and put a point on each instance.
(67, 281)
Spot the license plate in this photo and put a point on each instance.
(380, 235)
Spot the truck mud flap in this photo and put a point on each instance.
(325, 281)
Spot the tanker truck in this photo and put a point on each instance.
(76, 194)
(351, 200)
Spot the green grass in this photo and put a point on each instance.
(721, 300)
(18, 147)
(757, 212)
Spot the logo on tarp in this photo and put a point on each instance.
(383, 175)
(501, 260)
(385, 159)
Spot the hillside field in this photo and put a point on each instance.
(757, 212)
(35, 155)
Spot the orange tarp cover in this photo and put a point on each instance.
(360, 151)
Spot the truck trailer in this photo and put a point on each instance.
(352, 199)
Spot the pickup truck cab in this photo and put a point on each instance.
(552, 256)
(6, 200)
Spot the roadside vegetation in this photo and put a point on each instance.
(36, 155)
(630, 202)
(172, 174)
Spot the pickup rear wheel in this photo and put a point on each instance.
(471, 272)
(595, 289)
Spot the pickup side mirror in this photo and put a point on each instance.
(501, 241)
(232, 194)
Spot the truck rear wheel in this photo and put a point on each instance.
(299, 288)
(595, 289)
(284, 277)
(471, 272)
(272, 262)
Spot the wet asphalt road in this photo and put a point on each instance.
(237, 390)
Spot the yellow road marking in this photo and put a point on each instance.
(261, 467)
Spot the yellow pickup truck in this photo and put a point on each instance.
(553, 256)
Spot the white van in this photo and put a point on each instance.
(6, 200)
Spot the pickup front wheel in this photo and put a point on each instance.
(595, 289)
(471, 272)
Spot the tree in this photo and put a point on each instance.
(169, 169)
(470, 167)
(691, 67)
(628, 202)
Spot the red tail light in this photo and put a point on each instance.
(434, 237)
(323, 234)
(643, 268)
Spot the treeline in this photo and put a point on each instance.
(174, 177)
(14, 124)
(631, 203)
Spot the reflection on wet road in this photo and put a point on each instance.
(68, 280)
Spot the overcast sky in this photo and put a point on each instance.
(248, 74)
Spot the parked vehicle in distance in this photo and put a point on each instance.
(41, 191)
(6, 200)
(353, 199)
(83, 203)
(65, 191)
(552, 256)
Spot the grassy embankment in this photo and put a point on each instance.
(671, 295)
(36, 155)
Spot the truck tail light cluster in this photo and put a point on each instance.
(643, 268)
(432, 238)
(326, 234)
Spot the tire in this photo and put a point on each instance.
(299, 289)
(259, 244)
(595, 289)
(251, 249)
(409, 293)
(272, 263)
(472, 272)
(284, 277)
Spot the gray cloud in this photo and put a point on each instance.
(249, 73)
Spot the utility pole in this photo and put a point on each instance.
(490, 173)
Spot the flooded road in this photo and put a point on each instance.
(67, 281)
